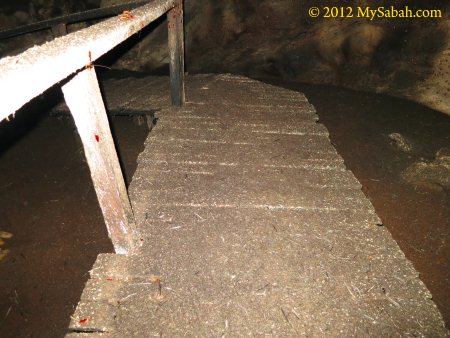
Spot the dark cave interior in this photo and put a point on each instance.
(380, 87)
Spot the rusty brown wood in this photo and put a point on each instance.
(83, 97)
(176, 53)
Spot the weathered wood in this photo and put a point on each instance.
(230, 208)
(176, 53)
(83, 97)
(45, 65)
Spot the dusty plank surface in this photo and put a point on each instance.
(251, 226)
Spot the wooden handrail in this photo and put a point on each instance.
(92, 14)
(30, 73)
(69, 59)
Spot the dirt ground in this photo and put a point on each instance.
(49, 205)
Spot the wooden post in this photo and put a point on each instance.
(176, 53)
(83, 97)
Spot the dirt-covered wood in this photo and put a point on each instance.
(29, 74)
(239, 240)
(176, 53)
(84, 99)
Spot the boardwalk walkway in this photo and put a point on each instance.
(251, 226)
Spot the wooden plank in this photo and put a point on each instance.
(83, 97)
(176, 53)
(25, 76)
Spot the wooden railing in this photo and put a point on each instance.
(59, 24)
(68, 61)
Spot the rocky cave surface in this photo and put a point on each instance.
(408, 58)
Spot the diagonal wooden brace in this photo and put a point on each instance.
(83, 97)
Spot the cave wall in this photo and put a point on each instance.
(276, 38)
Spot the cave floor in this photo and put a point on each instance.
(54, 244)
(251, 225)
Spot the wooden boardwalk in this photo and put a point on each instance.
(251, 226)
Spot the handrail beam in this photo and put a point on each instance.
(30, 73)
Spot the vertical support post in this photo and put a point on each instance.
(83, 97)
(176, 53)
